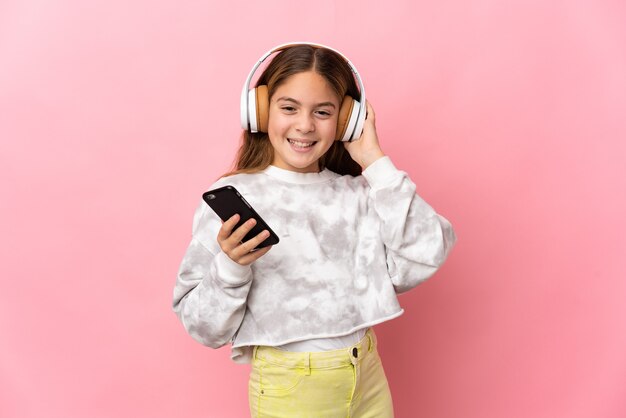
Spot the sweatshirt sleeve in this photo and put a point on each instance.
(417, 239)
(211, 290)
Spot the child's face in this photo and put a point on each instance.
(302, 121)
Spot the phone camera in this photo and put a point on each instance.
(211, 196)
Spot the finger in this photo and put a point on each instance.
(227, 227)
(370, 115)
(237, 236)
(246, 247)
(252, 243)
(253, 256)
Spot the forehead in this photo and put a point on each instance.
(306, 87)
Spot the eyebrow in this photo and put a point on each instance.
(289, 99)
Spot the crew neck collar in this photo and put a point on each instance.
(298, 178)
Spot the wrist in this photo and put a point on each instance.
(370, 157)
(381, 173)
(231, 273)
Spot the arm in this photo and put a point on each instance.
(417, 239)
(211, 289)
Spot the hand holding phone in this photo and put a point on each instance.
(230, 241)
(242, 234)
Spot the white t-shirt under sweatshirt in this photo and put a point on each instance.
(348, 245)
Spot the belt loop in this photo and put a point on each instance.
(307, 366)
(254, 350)
(370, 339)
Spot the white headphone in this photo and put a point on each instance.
(255, 101)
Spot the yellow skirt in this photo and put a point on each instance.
(345, 383)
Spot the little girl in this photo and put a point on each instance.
(353, 234)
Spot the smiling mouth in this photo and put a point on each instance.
(301, 144)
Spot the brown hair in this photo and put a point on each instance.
(256, 151)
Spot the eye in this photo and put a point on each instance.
(324, 113)
(288, 109)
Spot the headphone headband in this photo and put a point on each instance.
(246, 102)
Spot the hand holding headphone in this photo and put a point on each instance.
(255, 102)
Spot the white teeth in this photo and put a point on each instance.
(301, 144)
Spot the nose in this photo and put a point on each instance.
(305, 123)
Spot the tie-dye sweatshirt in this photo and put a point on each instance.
(348, 245)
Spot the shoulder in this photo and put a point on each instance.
(241, 181)
(240, 178)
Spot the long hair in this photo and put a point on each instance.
(256, 151)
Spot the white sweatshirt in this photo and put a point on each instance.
(347, 246)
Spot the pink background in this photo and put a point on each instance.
(509, 116)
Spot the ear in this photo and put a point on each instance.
(262, 107)
(345, 110)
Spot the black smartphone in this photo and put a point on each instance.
(227, 201)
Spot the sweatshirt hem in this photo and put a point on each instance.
(238, 354)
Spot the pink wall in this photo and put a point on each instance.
(115, 116)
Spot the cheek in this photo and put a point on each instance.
(330, 127)
(276, 124)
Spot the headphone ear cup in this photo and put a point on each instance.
(345, 111)
(262, 107)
